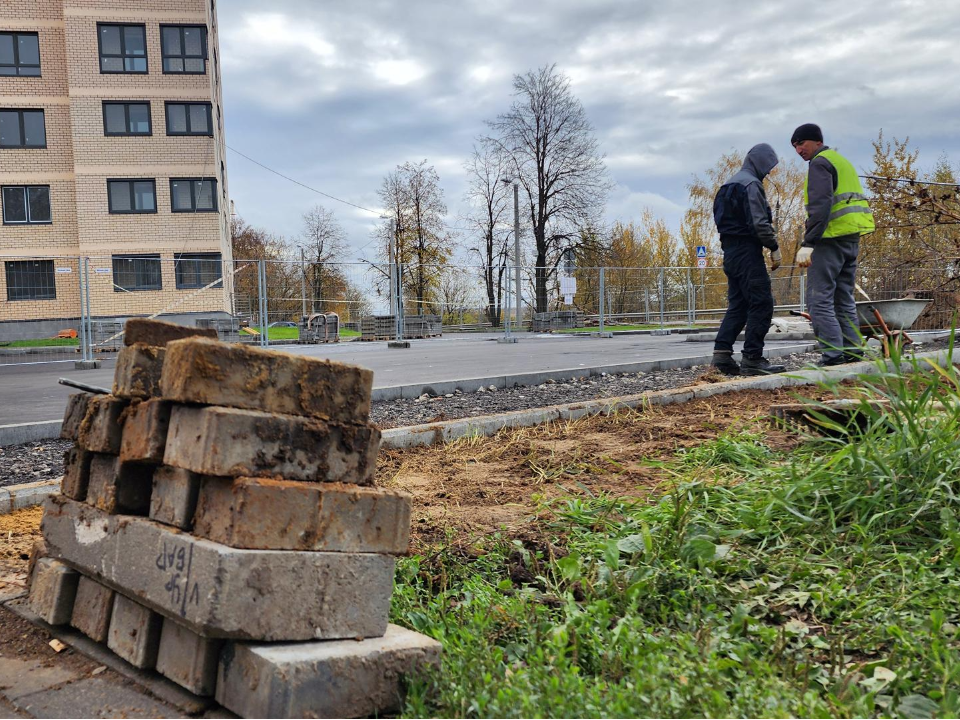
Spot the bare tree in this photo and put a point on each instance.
(557, 160)
(323, 243)
(456, 296)
(414, 200)
(488, 196)
(250, 246)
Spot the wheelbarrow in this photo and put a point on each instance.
(885, 320)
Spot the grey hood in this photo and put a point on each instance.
(760, 160)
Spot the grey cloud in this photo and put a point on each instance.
(668, 86)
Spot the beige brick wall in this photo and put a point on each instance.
(79, 158)
(59, 238)
(66, 304)
(14, 11)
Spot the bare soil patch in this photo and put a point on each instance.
(475, 487)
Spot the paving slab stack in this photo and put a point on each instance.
(219, 524)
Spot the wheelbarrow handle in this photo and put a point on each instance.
(800, 313)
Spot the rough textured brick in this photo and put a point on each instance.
(343, 678)
(219, 591)
(233, 443)
(73, 416)
(53, 590)
(137, 374)
(119, 487)
(214, 373)
(76, 473)
(145, 431)
(174, 497)
(134, 632)
(92, 609)
(287, 515)
(159, 333)
(188, 659)
(102, 426)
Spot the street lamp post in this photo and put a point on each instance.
(516, 244)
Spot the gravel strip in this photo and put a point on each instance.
(32, 461)
(491, 401)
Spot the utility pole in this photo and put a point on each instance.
(518, 298)
(516, 249)
(303, 287)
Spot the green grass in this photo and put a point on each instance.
(41, 342)
(620, 328)
(819, 583)
(289, 333)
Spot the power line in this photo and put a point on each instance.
(328, 195)
(911, 181)
(304, 185)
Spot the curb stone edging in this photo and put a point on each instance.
(488, 425)
(17, 497)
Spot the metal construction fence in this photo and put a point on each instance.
(63, 309)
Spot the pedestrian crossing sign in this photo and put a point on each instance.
(701, 251)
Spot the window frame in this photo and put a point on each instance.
(193, 194)
(24, 146)
(126, 117)
(189, 132)
(132, 211)
(117, 287)
(204, 51)
(123, 55)
(10, 286)
(211, 256)
(16, 54)
(26, 203)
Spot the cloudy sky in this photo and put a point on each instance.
(337, 94)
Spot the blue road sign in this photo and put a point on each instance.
(701, 251)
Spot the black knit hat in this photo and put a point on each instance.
(807, 131)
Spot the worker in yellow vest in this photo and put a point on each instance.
(837, 215)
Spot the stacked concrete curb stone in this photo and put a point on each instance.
(218, 523)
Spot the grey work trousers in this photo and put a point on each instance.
(830, 282)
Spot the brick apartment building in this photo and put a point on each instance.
(111, 148)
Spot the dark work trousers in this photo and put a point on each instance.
(830, 282)
(749, 298)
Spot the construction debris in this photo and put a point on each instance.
(217, 508)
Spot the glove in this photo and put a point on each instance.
(775, 259)
(804, 256)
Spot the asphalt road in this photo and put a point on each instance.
(30, 393)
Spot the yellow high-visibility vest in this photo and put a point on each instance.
(850, 213)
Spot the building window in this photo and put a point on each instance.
(26, 204)
(31, 280)
(19, 54)
(22, 129)
(122, 118)
(132, 273)
(132, 196)
(193, 194)
(197, 270)
(189, 119)
(184, 49)
(123, 48)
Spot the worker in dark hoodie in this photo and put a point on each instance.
(745, 224)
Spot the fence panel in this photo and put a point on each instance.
(276, 302)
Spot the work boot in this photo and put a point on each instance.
(759, 366)
(833, 361)
(724, 362)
